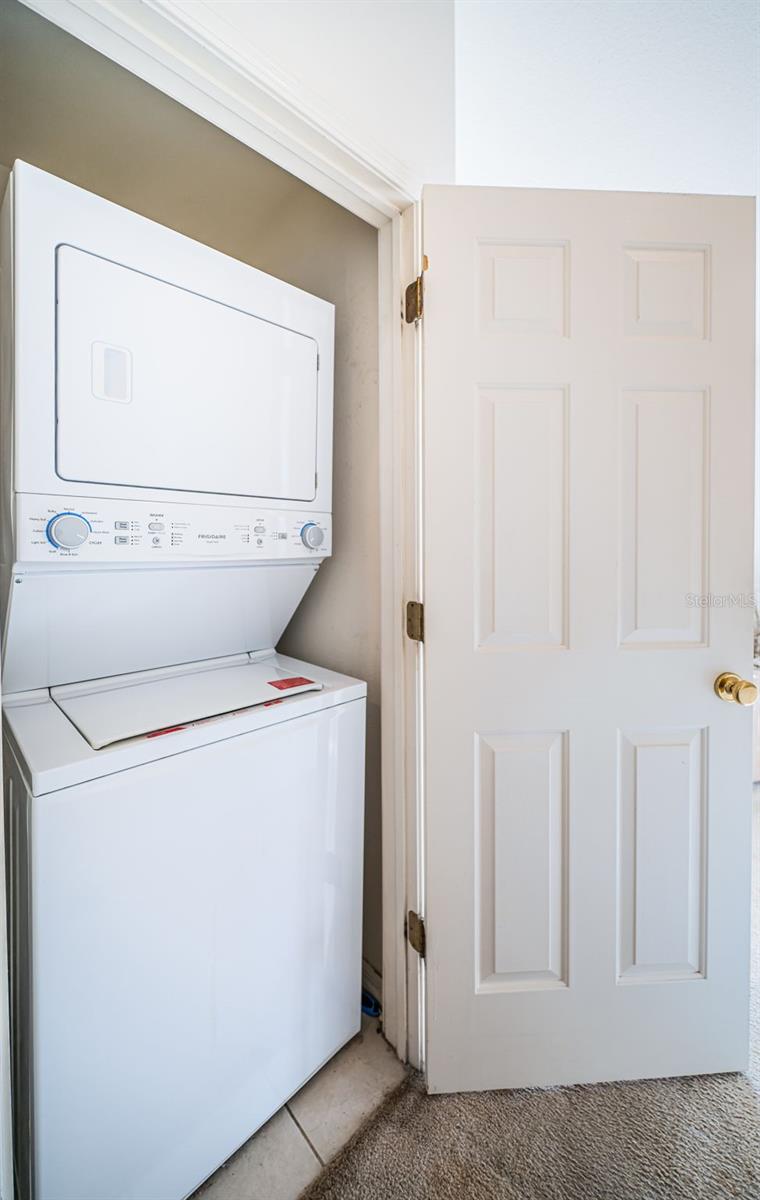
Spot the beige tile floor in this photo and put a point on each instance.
(290, 1150)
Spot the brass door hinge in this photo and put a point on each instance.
(414, 301)
(415, 621)
(415, 932)
(414, 296)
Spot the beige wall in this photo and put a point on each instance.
(67, 109)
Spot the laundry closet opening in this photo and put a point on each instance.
(76, 114)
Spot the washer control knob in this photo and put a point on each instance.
(68, 531)
(312, 536)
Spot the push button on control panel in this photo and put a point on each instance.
(156, 527)
(121, 540)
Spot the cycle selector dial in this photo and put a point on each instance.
(68, 531)
(312, 536)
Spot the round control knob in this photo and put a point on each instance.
(68, 531)
(312, 536)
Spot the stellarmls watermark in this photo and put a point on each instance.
(722, 600)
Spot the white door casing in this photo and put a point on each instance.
(588, 480)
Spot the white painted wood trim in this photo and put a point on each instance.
(411, 683)
(246, 95)
(392, 587)
(400, 258)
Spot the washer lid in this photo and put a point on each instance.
(154, 702)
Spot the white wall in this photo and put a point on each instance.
(641, 95)
(635, 95)
(359, 90)
(359, 65)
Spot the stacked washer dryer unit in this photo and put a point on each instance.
(183, 805)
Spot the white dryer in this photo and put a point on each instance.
(184, 806)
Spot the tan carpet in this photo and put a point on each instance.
(678, 1139)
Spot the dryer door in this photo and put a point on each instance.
(161, 388)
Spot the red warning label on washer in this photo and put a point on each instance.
(283, 684)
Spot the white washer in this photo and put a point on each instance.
(186, 936)
(184, 807)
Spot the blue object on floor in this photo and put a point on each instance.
(370, 1005)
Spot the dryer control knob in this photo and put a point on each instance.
(312, 536)
(68, 531)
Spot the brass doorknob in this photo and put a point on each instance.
(735, 690)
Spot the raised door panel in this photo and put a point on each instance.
(522, 903)
(667, 291)
(664, 518)
(662, 807)
(521, 570)
(524, 288)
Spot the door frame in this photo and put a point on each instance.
(253, 100)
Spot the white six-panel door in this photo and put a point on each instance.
(588, 493)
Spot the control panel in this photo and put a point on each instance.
(49, 529)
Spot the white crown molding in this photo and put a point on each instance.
(197, 58)
(202, 21)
